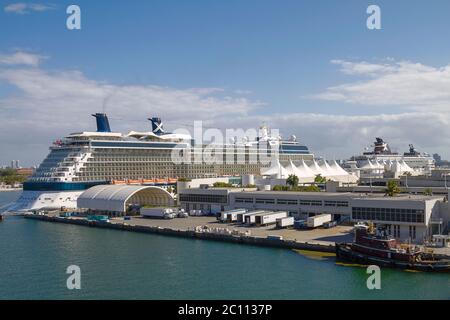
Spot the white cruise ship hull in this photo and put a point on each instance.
(35, 200)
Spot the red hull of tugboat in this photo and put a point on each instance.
(383, 250)
(344, 252)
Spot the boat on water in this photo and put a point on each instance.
(376, 247)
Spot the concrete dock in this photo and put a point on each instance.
(320, 236)
(322, 240)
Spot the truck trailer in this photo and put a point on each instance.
(285, 222)
(161, 213)
(241, 216)
(319, 220)
(231, 215)
(264, 219)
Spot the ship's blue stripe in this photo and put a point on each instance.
(60, 186)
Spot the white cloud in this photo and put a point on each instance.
(341, 136)
(21, 58)
(406, 84)
(46, 105)
(23, 8)
(363, 67)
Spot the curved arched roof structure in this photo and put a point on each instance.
(115, 198)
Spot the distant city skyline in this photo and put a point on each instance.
(307, 68)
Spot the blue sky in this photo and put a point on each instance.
(269, 59)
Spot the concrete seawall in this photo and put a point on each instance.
(251, 240)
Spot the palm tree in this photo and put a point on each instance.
(320, 179)
(292, 181)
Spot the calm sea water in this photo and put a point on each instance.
(34, 256)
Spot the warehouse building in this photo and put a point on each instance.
(412, 217)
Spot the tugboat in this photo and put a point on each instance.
(379, 248)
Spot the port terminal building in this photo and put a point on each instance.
(407, 217)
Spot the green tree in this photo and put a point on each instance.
(7, 172)
(222, 185)
(320, 179)
(280, 188)
(292, 181)
(428, 192)
(311, 188)
(392, 188)
(10, 176)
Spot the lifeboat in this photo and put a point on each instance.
(130, 181)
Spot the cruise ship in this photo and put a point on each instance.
(85, 159)
(421, 162)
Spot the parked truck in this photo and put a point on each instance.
(159, 213)
(319, 220)
(285, 222)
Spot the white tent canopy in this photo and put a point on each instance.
(303, 172)
(339, 171)
(401, 167)
(368, 165)
(327, 170)
(275, 170)
(292, 169)
(307, 174)
(315, 168)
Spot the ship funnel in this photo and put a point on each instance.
(102, 122)
(157, 126)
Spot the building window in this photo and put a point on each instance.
(311, 202)
(208, 198)
(388, 214)
(265, 201)
(244, 200)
